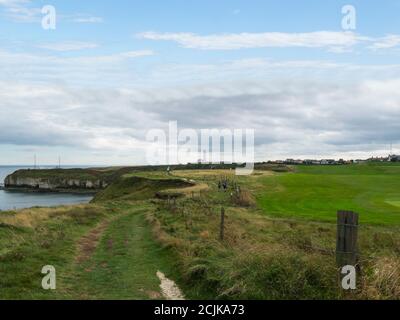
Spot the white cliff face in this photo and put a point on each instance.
(53, 184)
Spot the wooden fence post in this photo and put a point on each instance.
(222, 225)
(346, 244)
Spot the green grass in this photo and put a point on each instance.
(317, 192)
(122, 266)
(257, 260)
(125, 263)
(265, 257)
(137, 188)
(26, 249)
(271, 250)
(125, 258)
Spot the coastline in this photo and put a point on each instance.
(34, 190)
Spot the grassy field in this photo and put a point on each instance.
(317, 192)
(279, 236)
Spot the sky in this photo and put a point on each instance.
(310, 82)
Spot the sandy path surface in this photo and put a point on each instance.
(169, 289)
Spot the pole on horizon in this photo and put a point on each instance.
(34, 161)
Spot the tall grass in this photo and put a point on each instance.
(269, 258)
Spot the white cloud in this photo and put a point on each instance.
(136, 54)
(335, 42)
(25, 11)
(258, 40)
(93, 70)
(124, 69)
(68, 46)
(10, 3)
(340, 49)
(21, 10)
(387, 42)
(88, 19)
(290, 117)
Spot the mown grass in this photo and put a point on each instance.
(317, 192)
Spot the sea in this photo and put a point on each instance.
(13, 200)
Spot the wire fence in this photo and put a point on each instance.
(351, 232)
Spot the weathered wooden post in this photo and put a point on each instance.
(346, 244)
(222, 225)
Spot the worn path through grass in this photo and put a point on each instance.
(99, 252)
(119, 259)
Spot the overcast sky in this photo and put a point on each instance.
(90, 90)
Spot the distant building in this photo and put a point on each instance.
(293, 161)
(391, 158)
(328, 161)
(312, 162)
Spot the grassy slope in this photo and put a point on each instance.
(137, 188)
(317, 192)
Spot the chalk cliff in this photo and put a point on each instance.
(51, 181)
